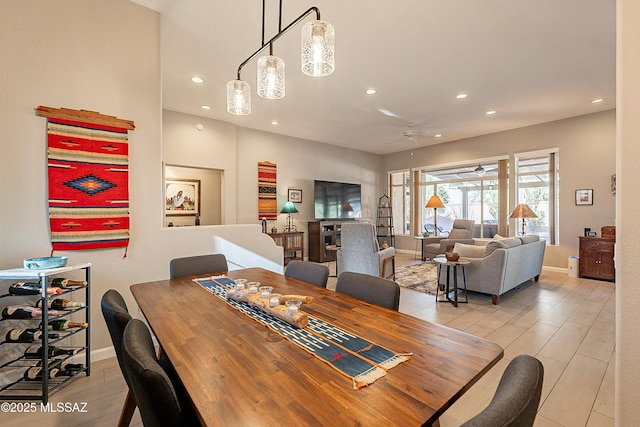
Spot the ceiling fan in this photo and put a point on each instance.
(411, 133)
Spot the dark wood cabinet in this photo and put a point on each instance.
(596, 258)
(321, 235)
(292, 242)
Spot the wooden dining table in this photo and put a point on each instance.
(238, 371)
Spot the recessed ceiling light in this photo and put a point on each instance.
(197, 79)
(274, 122)
(597, 100)
(461, 95)
(490, 112)
(370, 91)
(206, 107)
(437, 135)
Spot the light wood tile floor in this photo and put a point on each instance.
(567, 323)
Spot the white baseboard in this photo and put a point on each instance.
(102, 353)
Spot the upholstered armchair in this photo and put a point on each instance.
(461, 232)
(360, 253)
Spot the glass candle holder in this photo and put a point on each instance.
(274, 300)
(293, 306)
(253, 287)
(241, 284)
(265, 291)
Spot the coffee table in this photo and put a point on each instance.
(452, 268)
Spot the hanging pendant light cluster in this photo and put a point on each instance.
(317, 60)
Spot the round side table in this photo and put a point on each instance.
(452, 268)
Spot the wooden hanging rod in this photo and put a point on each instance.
(84, 116)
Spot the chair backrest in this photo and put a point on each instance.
(197, 265)
(152, 388)
(310, 272)
(116, 315)
(461, 229)
(517, 397)
(359, 236)
(375, 290)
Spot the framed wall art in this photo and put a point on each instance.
(613, 184)
(182, 196)
(295, 195)
(584, 197)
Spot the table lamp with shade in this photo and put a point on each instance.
(523, 211)
(289, 208)
(435, 203)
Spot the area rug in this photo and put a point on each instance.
(419, 276)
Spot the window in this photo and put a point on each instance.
(468, 192)
(400, 189)
(537, 187)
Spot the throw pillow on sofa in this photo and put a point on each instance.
(469, 251)
(506, 243)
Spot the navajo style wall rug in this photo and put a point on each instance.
(88, 183)
(267, 191)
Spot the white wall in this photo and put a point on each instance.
(213, 147)
(238, 150)
(627, 354)
(587, 160)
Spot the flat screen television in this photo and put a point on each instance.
(336, 200)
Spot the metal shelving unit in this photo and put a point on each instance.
(384, 222)
(40, 390)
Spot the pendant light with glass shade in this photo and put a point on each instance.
(317, 53)
(317, 60)
(238, 98)
(271, 77)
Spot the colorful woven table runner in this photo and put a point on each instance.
(88, 185)
(362, 361)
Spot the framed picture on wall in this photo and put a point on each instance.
(295, 195)
(584, 197)
(182, 196)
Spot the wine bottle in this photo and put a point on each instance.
(26, 288)
(24, 312)
(62, 324)
(26, 335)
(35, 373)
(60, 282)
(35, 352)
(60, 304)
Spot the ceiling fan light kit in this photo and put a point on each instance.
(317, 60)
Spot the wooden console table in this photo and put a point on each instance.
(596, 258)
(292, 243)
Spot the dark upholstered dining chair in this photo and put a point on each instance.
(116, 316)
(197, 265)
(310, 272)
(161, 401)
(375, 290)
(517, 397)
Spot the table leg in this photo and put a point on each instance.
(455, 286)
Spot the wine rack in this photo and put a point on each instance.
(19, 388)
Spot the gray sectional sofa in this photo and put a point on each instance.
(502, 264)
